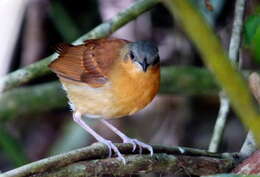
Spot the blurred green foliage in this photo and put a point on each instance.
(252, 34)
(13, 149)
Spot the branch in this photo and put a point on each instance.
(233, 56)
(249, 146)
(235, 40)
(220, 123)
(187, 80)
(40, 68)
(142, 164)
(249, 166)
(31, 100)
(215, 58)
(171, 159)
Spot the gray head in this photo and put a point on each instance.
(144, 53)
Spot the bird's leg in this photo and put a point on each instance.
(78, 119)
(126, 139)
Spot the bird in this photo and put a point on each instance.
(108, 78)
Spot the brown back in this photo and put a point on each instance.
(89, 62)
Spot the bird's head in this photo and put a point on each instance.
(143, 53)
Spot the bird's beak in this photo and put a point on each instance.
(144, 65)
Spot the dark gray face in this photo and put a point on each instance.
(144, 53)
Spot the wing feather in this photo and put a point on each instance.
(89, 62)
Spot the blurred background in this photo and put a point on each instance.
(29, 30)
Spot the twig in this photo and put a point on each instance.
(248, 147)
(40, 68)
(235, 40)
(215, 58)
(233, 56)
(97, 151)
(220, 123)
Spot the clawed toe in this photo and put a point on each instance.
(131, 141)
(111, 146)
(126, 139)
(141, 145)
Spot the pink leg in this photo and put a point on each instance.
(77, 118)
(126, 139)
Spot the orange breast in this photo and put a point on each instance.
(127, 92)
(134, 89)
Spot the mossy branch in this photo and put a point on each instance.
(81, 162)
(40, 68)
(32, 100)
(216, 59)
(142, 164)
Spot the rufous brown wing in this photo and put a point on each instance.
(89, 62)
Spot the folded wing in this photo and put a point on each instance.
(89, 62)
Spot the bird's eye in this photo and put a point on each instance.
(132, 55)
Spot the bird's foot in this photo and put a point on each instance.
(111, 147)
(78, 119)
(126, 139)
(141, 145)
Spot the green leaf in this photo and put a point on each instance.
(251, 25)
(256, 44)
(252, 35)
